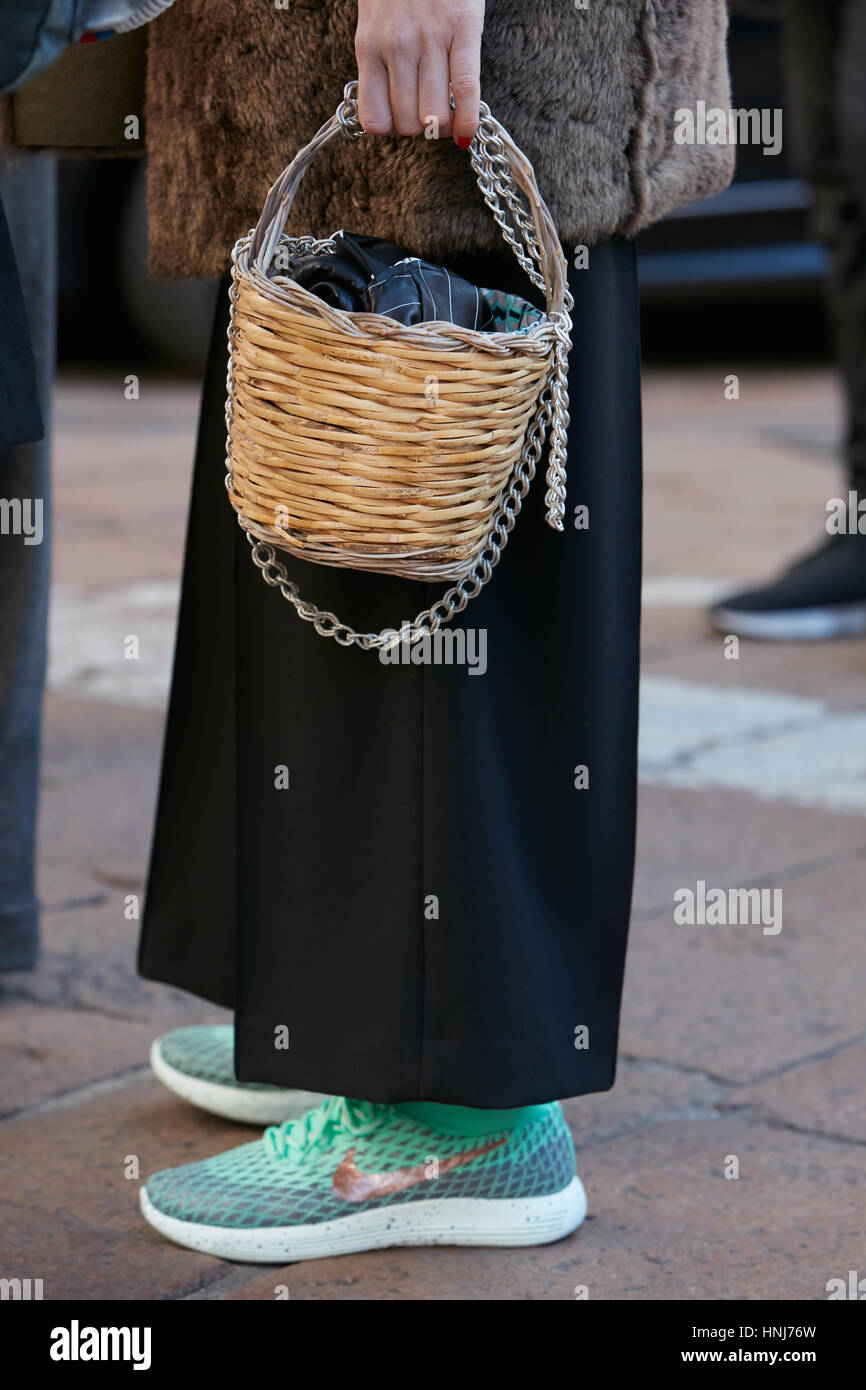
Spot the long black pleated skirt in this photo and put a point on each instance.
(436, 905)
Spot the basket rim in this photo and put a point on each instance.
(539, 340)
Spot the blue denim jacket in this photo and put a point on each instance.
(36, 32)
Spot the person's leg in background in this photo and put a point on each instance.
(27, 187)
(823, 595)
(847, 282)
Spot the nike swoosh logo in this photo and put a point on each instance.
(353, 1185)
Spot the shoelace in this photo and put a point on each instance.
(294, 1139)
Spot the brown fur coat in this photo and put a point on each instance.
(233, 89)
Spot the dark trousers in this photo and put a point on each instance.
(825, 71)
(27, 187)
(436, 905)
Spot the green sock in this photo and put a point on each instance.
(463, 1119)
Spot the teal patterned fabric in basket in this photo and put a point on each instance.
(511, 314)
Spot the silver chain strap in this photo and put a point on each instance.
(490, 162)
(493, 172)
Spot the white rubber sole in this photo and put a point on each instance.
(798, 625)
(431, 1221)
(247, 1107)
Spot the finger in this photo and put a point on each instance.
(374, 103)
(465, 71)
(402, 67)
(434, 102)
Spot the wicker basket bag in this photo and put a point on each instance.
(358, 441)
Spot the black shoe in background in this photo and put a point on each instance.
(817, 598)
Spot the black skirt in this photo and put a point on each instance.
(436, 905)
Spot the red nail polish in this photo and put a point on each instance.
(464, 141)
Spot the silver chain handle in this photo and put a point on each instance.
(490, 161)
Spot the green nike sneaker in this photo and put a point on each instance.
(198, 1065)
(352, 1176)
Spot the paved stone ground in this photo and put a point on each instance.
(735, 1042)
